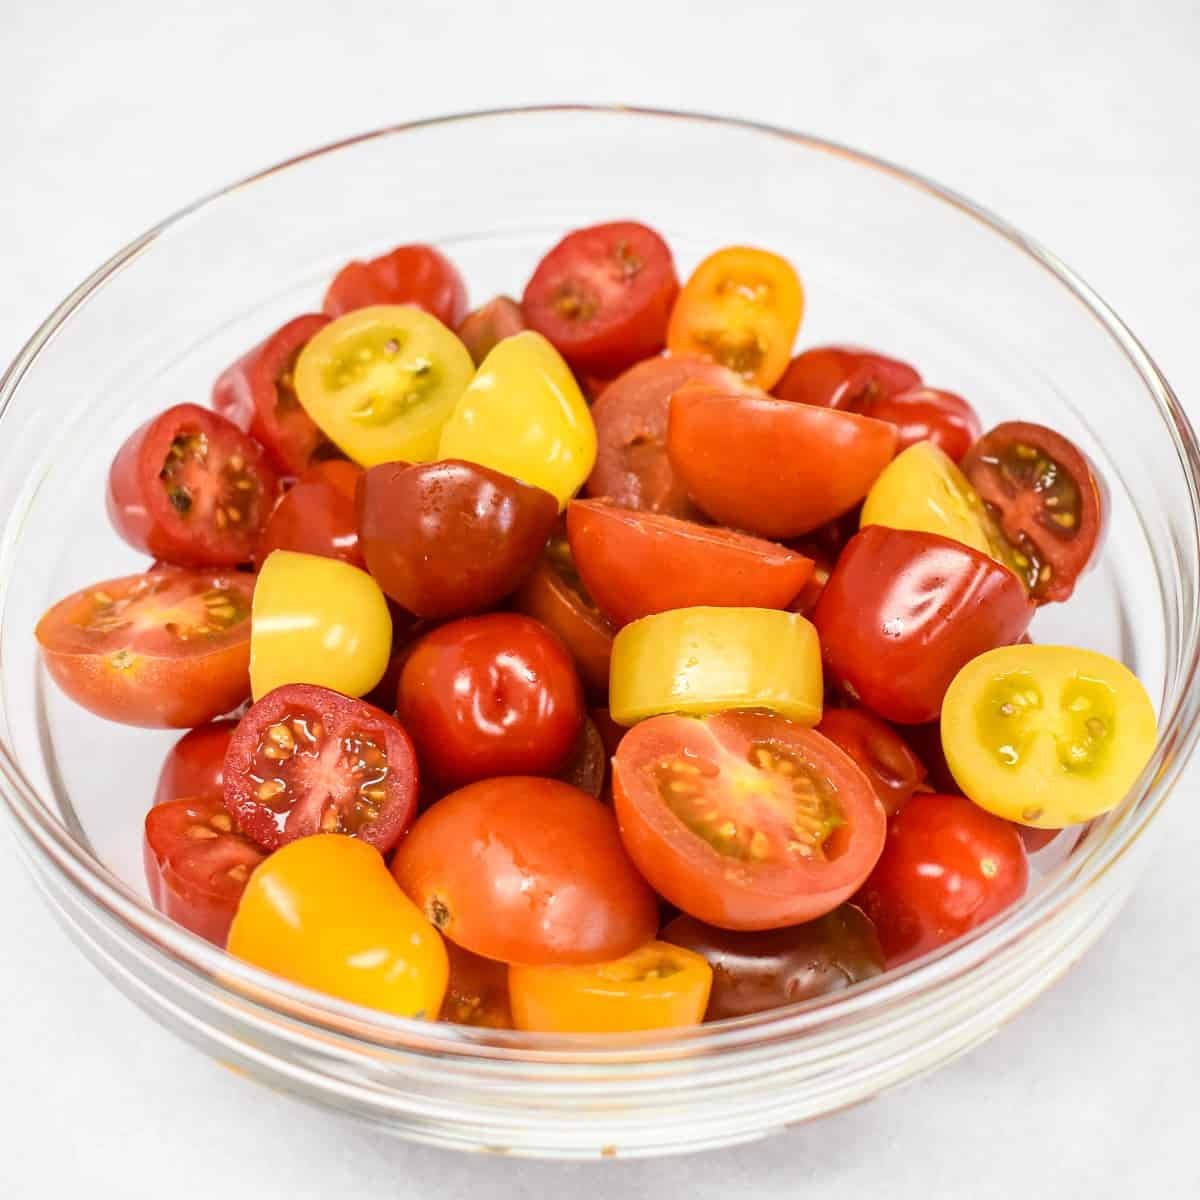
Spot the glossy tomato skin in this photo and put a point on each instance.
(904, 610)
(448, 538)
(923, 414)
(490, 695)
(603, 295)
(258, 395)
(947, 867)
(883, 755)
(526, 870)
(844, 377)
(481, 330)
(195, 765)
(316, 515)
(415, 274)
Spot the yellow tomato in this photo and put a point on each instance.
(1046, 735)
(382, 381)
(657, 986)
(317, 620)
(325, 912)
(524, 414)
(704, 660)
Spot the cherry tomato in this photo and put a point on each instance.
(656, 986)
(324, 913)
(191, 488)
(745, 820)
(195, 765)
(448, 538)
(197, 864)
(308, 760)
(414, 274)
(170, 648)
(775, 468)
(757, 971)
(1041, 490)
(1047, 735)
(316, 515)
(602, 296)
(477, 991)
(636, 564)
(526, 870)
(923, 414)
(884, 757)
(741, 308)
(926, 742)
(258, 394)
(844, 377)
(490, 695)
(587, 767)
(904, 611)
(947, 866)
(482, 330)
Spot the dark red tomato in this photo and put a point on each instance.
(308, 760)
(477, 991)
(844, 377)
(197, 864)
(632, 468)
(170, 648)
(610, 735)
(771, 467)
(744, 819)
(587, 768)
(1041, 490)
(904, 611)
(317, 515)
(634, 564)
(195, 765)
(947, 867)
(823, 546)
(415, 274)
(258, 394)
(883, 755)
(754, 971)
(406, 632)
(526, 870)
(926, 741)
(483, 329)
(927, 415)
(447, 538)
(603, 296)
(191, 488)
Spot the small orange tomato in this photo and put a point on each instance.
(741, 308)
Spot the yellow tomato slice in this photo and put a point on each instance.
(382, 381)
(657, 986)
(705, 660)
(317, 620)
(1046, 735)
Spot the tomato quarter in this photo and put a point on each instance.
(415, 274)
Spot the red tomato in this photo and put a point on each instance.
(844, 377)
(926, 741)
(197, 864)
(927, 415)
(947, 867)
(476, 992)
(195, 765)
(769, 466)
(490, 695)
(603, 296)
(170, 648)
(316, 515)
(526, 870)
(258, 394)
(823, 546)
(587, 767)
(308, 760)
(416, 274)
(191, 488)
(745, 820)
(1036, 839)
(482, 329)
(883, 755)
(635, 564)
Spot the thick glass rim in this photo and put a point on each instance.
(821, 1020)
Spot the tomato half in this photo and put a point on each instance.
(745, 820)
(195, 765)
(482, 330)
(191, 488)
(476, 992)
(415, 274)
(883, 755)
(170, 648)
(844, 377)
(316, 515)
(923, 414)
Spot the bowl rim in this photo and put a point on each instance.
(1112, 838)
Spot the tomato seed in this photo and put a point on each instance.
(221, 821)
(200, 832)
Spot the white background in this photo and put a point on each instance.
(1081, 125)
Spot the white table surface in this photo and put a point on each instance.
(1081, 125)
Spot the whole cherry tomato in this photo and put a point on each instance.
(923, 414)
(477, 991)
(195, 765)
(415, 274)
(883, 755)
(316, 515)
(482, 330)
(844, 377)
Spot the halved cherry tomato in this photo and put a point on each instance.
(903, 611)
(1042, 491)
(258, 394)
(448, 538)
(191, 488)
(481, 330)
(587, 768)
(195, 765)
(526, 870)
(924, 414)
(307, 760)
(745, 820)
(635, 564)
(170, 648)
(656, 986)
(197, 864)
(947, 866)
(1047, 735)
(844, 377)
(883, 755)
(477, 991)
(741, 308)
(415, 274)
(316, 515)
(603, 295)
(775, 468)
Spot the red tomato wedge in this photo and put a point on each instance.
(316, 515)
(415, 274)
(844, 377)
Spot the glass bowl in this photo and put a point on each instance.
(889, 260)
